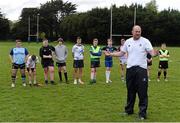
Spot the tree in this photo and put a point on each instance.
(152, 6)
(4, 27)
(50, 16)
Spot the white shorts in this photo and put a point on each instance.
(123, 61)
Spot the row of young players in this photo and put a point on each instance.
(19, 54)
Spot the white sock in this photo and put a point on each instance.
(34, 81)
(107, 75)
(95, 75)
(92, 75)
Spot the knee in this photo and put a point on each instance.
(45, 71)
(51, 70)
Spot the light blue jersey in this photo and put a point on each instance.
(19, 55)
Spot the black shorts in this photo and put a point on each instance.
(32, 69)
(17, 66)
(95, 64)
(163, 64)
(47, 64)
(60, 64)
(78, 64)
(149, 63)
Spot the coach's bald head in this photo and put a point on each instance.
(136, 32)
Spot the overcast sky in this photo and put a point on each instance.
(12, 8)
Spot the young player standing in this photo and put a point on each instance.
(78, 56)
(108, 59)
(61, 53)
(163, 61)
(18, 56)
(95, 53)
(123, 60)
(31, 68)
(149, 64)
(46, 54)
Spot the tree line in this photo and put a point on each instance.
(60, 19)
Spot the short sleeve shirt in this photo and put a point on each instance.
(19, 55)
(137, 52)
(78, 51)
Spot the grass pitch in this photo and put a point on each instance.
(99, 102)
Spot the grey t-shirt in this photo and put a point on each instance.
(61, 53)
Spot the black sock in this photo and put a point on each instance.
(46, 81)
(52, 82)
(65, 75)
(159, 74)
(13, 79)
(165, 73)
(60, 76)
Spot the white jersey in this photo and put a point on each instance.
(30, 63)
(137, 52)
(124, 57)
(78, 51)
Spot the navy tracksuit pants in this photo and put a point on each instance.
(137, 82)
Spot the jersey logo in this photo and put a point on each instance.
(129, 45)
(140, 45)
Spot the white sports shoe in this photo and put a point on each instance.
(24, 84)
(107, 81)
(75, 81)
(80, 81)
(165, 80)
(158, 80)
(110, 81)
(12, 85)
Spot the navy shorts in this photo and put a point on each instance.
(18, 66)
(78, 64)
(108, 63)
(163, 64)
(95, 64)
(47, 64)
(32, 69)
(60, 64)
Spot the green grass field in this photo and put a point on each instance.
(99, 102)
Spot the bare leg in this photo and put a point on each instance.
(13, 75)
(75, 75)
(51, 70)
(23, 76)
(34, 76)
(46, 75)
(80, 75)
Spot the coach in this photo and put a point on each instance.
(137, 48)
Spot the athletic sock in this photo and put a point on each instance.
(34, 81)
(60, 76)
(159, 74)
(13, 79)
(165, 73)
(23, 77)
(65, 75)
(92, 75)
(107, 75)
(52, 82)
(46, 81)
